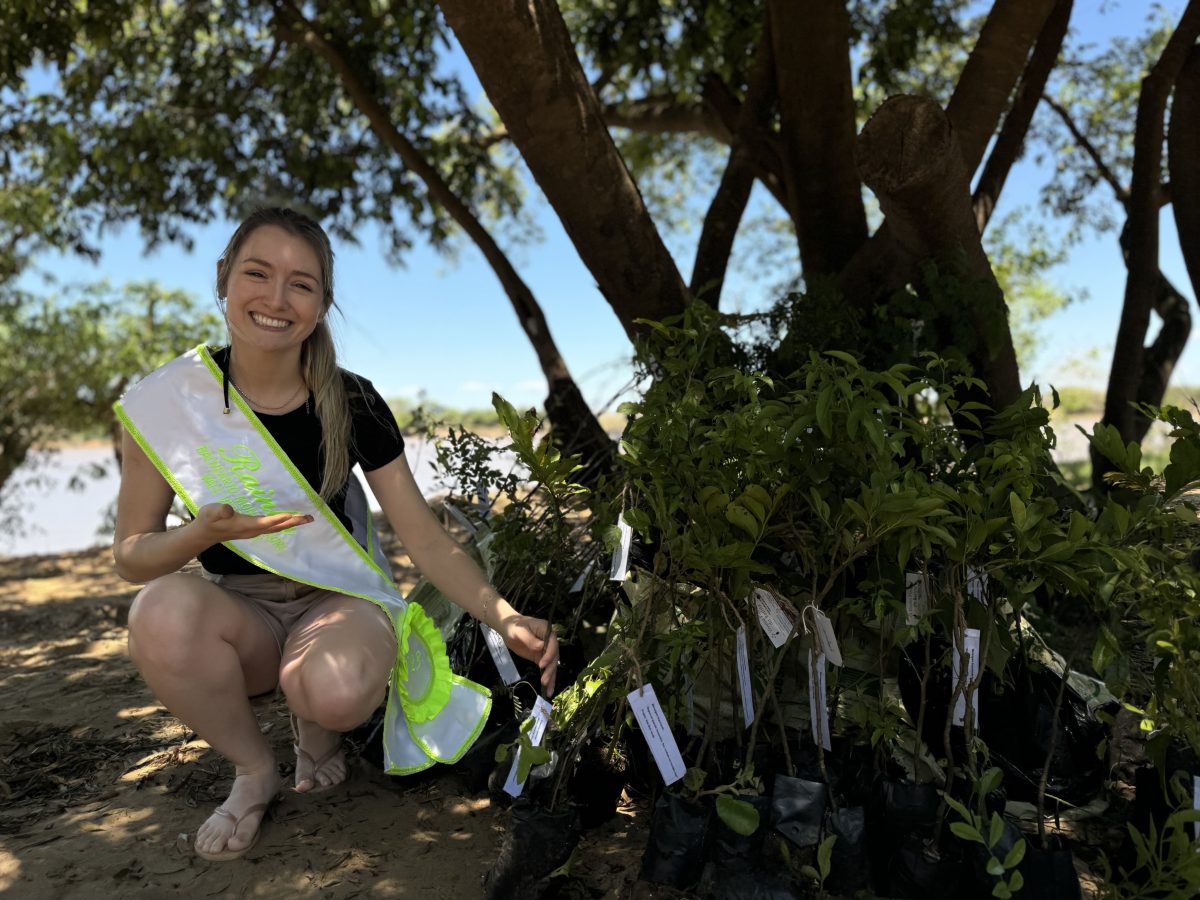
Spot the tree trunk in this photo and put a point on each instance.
(816, 104)
(729, 204)
(1183, 147)
(1141, 287)
(908, 155)
(575, 426)
(1011, 140)
(992, 70)
(980, 98)
(527, 64)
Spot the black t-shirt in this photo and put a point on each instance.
(375, 441)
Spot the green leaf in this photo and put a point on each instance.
(966, 832)
(825, 856)
(995, 830)
(995, 867)
(738, 815)
(1018, 510)
(1015, 855)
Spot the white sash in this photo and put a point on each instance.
(175, 415)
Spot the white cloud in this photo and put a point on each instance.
(474, 387)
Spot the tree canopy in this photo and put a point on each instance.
(172, 114)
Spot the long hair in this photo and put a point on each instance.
(318, 356)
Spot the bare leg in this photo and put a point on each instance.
(203, 653)
(334, 672)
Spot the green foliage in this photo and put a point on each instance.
(988, 832)
(1166, 863)
(1147, 583)
(167, 113)
(63, 361)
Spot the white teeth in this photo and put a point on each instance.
(269, 322)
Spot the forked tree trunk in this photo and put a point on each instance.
(908, 155)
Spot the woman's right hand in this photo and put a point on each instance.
(221, 522)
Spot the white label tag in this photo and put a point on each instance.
(743, 669)
(620, 557)
(772, 618)
(657, 733)
(826, 639)
(541, 718)
(500, 655)
(578, 585)
(916, 598)
(977, 584)
(817, 704)
(459, 516)
(971, 647)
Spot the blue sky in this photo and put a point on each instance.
(446, 328)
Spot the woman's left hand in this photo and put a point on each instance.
(534, 640)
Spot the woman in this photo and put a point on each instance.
(206, 644)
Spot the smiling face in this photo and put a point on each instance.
(274, 291)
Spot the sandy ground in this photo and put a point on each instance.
(103, 789)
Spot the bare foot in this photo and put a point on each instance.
(250, 788)
(320, 762)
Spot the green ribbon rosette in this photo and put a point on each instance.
(422, 674)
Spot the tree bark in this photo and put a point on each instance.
(1011, 140)
(527, 64)
(575, 425)
(1141, 287)
(980, 98)
(729, 204)
(817, 121)
(763, 146)
(1183, 162)
(996, 63)
(908, 155)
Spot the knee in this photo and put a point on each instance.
(164, 620)
(338, 697)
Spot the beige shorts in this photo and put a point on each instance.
(280, 602)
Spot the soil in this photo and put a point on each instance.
(103, 789)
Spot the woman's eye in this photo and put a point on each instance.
(303, 286)
(256, 274)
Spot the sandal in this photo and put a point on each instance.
(226, 855)
(305, 756)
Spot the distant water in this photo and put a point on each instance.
(56, 518)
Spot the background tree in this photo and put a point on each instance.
(65, 360)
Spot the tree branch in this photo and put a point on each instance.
(1143, 282)
(1011, 140)
(729, 203)
(526, 61)
(1183, 149)
(817, 122)
(1085, 144)
(762, 145)
(565, 406)
(996, 63)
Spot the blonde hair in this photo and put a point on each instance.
(318, 356)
